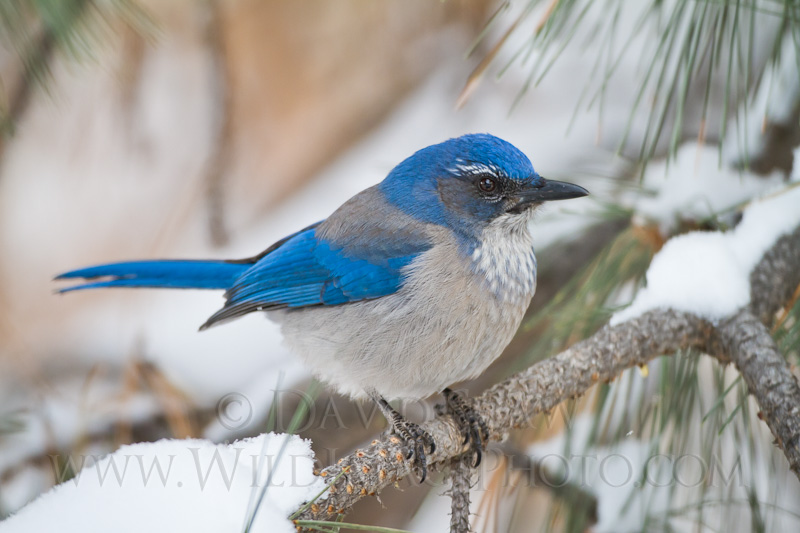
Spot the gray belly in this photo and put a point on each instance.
(437, 330)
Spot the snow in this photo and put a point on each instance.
(708, 273)
(702, 180)
(773, 102)
(180, 485)
(694, 185)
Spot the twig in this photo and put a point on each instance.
(460, 474)
(753, 350)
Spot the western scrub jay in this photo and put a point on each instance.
(410, 286)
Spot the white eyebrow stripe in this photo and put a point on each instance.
(474, 168)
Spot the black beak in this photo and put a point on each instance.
(547, 190)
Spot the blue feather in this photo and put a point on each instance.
(181, 274)
(307, 270)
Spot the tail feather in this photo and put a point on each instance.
(167, 274)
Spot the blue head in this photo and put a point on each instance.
(467, 182)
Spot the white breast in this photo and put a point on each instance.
(505, 258)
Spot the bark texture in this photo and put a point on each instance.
(460, 474)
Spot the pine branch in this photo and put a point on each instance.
(513, 403)
(752, 349)
(460, 474)
(775, 278)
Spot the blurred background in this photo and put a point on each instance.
(201, 129)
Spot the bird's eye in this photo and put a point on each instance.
(487, 185)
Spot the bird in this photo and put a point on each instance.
(410, 286)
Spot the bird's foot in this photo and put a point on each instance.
(416, 439)
(473, 427)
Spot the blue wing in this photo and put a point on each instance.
(307, 270)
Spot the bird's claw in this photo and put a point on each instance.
(473, 427)
(416, 440)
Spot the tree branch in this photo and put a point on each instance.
(752, 349)
(775, 278)
(512, 403)
(460, 474)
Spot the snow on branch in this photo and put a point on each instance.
(741, 339)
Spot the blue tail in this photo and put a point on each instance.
(159, 274)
